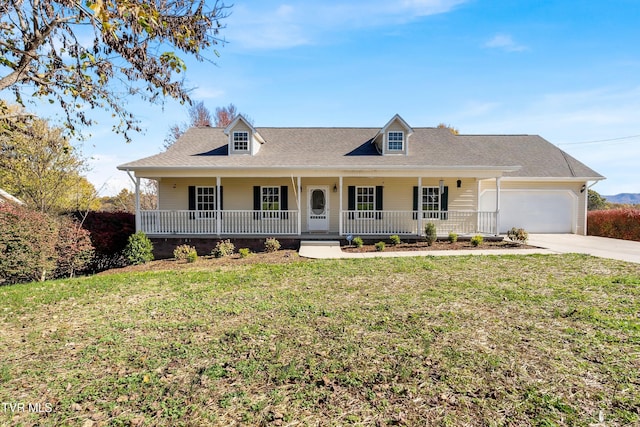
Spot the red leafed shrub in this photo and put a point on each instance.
(616, 223)
(27, 244)
(74, 248)
(110, 231)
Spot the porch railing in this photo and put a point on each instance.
(406, 222)
(230, 222)
(249, 222)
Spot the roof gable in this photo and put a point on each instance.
(241, 119)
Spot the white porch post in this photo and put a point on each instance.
(340, 225)
(419, 195)
(136, 182)
(218, 211)
(298, 183)
(498, 205)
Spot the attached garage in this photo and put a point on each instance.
(537, 211)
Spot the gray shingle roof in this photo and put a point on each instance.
(351, 148)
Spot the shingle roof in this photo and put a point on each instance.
(351, 148)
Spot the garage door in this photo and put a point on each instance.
(537, 211)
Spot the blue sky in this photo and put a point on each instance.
(566, 70)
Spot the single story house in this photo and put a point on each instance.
(267, 181)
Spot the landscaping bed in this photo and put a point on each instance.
(438, 246)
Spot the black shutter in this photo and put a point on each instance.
(284, 201)
(221, 198)
(256, 201)
(444, 203)
(192, 201)
(351, 200)
(415, 202)
(379, 204)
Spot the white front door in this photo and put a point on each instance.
(318, 208)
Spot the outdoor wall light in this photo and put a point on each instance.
(174, 186)
(459, 183)
(335, 188)
(584, 187)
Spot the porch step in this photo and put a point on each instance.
(319, 243)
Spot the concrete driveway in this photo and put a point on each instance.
(603, 247)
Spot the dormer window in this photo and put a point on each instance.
(395, 141)
(241, 141)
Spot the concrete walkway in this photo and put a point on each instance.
(622, 250)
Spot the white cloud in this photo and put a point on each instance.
(204, 92)
(275, 25)
(506, 43)
(430, 7)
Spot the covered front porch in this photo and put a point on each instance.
(234, 206)
(288, 223)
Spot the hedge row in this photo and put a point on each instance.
(37, 246)
(616, 223)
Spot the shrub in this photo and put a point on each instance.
(109, 231)
(27, 244)
(477, 240)
(185, 253)
(358, 242)
(380, 246)
(616, 223)
(244, 252)
(74, 248)
(271, 245)
(453, 237)
(518, 235)
(395, 239)
(430, 233)
(139, 249)
(223, 248)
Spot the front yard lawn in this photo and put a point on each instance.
(474, 340)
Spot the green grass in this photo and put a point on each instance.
(515, 340)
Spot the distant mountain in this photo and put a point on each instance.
(624, 198)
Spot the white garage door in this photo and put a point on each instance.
(537, 211)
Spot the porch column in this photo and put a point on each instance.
(136, 183)
(498, 205)
(138, 213)
(419, 206)
(298, 183)
(340, 225)
(218, 211)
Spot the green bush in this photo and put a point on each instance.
(395, 239)
(430, 233)
(185, 253)
(271, 245)
(139, 249)
(477, 240)
(518, 235)
(358, 242)
(453, 237)
(380, 246)
(244, 252)
(223, 248)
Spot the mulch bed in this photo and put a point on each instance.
(439, 246)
